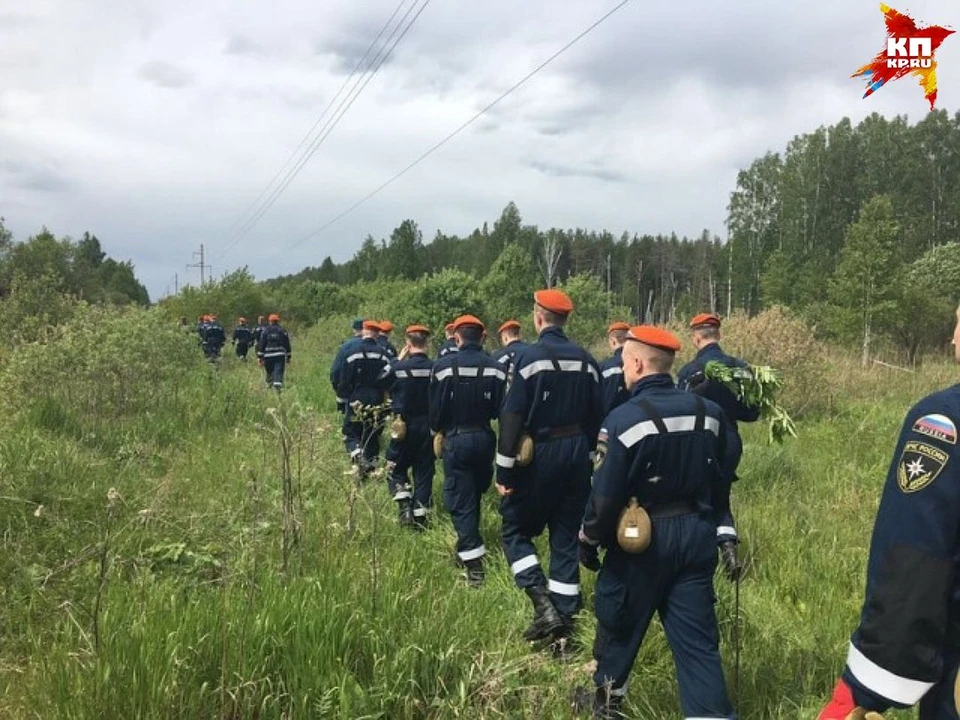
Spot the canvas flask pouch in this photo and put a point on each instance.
(438, 445)
(634, 528)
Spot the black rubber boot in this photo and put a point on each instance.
(564, 645)
(546, 619)
(598, 702)
(475, 574)
(406, 513)
(420, 522)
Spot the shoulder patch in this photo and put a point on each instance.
(601, 453)
(919, 465)
(938, 427)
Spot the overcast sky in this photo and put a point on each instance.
(155, 125)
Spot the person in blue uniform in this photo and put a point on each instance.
(214, 338)
(273, 352)
(554, 399)
(408, 382)
(450, 344)
(383, 339)
(664, 448)
(336, 367)
(466, 392)
(510, 345)
(705, 329)
(242, 336)
(258, 330)
(906, 649)
(358, 388)
(612, 388)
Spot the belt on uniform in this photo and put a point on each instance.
(563, 431)
(464, 429)
(676, 508)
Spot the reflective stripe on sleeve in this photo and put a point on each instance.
(883, 682)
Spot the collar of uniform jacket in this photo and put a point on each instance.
(553, 334)
(471, 346)
(711, 349)
(618, 352)
(660, 381)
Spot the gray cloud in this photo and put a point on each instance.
(34, 176)
(641, 126)
(165, 75)
(242, 45)
(570, 170)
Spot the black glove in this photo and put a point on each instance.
(728, 558)
(589, 556)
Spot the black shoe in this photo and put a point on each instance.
(600, 704)
(406, 513)
(420, 523)
(546, 619)
(475, 574)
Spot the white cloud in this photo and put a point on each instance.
(156, 125)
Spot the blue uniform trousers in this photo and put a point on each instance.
(468, 472)
(674, 578)
(242, 349)
(551, 494)
(361, 437)
(274, 367)
(414, 452)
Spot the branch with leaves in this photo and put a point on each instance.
(756, 387)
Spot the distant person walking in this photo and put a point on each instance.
(242, 337)
(273, 352)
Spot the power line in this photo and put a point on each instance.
(238, 222)
(331, 124)
(453, 134)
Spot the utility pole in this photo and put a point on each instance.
(176, 284)
(202, 265)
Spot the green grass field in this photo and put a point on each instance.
(237, 571)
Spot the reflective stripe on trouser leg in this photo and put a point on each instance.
(462, 500)
(518, 546)
(564, 526)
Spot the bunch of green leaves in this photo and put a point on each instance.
(756, 387)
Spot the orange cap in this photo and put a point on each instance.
(417, 329)
(242, 320)
(654, 337)
(705, 319)
(371, 325)
(508, 325)
(274, 316)
(618, 327)
(448, 327)
(386, 326)
(465, 320)
(554, 300)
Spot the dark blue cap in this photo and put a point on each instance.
(358, 324)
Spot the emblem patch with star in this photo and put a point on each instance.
(920, 464)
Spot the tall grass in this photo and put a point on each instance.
(169, 600)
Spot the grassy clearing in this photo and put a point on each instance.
(215, 584)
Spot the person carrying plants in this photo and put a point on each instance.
(241, 338)
(548, 431)
(450, 344)
(466, 392)
(383, 339)
(906, 649)
(658, 493)
(408, 382)
(359, 391)
(705, 329)
(612, 389)
(273, 352)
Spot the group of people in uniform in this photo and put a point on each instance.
(270, 341)
(668, 450)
